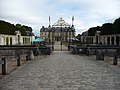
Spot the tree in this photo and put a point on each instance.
(78, 37)
(23, 29)
(92, 30)
(107, 29)
(6, 28)
(116, 26)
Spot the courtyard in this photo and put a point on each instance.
(63, 71)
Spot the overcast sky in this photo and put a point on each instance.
(35, 13)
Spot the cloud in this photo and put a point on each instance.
(35, 13)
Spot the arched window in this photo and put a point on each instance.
(18, 39)
(112, 40)
(10, 40)
(91, 40)
(23, 40)
(108, 40)
(117, 40)
(96, 39)
(7, 41)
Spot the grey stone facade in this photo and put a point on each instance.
(113, 39)
(16, 39)
(57, 32)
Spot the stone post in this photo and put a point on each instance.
(27, 58)
(4, 66)
(18, 60)
(115, 60)
(99, 55)
(31, 55)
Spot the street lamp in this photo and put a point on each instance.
(49, 29)
(61, 37)
(52, 38)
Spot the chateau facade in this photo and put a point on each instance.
(60, 31)
(16, 39)
(113, 39)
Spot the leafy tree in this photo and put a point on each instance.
(107, 29)
(8, 28)
(92, 30)
(78, 37)
(116, 26)
(23, 29)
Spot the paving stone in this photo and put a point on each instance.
(63, 71)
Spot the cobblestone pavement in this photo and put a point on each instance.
(63, 71)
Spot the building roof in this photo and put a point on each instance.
(61, 22)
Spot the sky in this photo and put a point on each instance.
(35, 13)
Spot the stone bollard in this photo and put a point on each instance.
(52, 48)
(27, 58)
(68, 47)
(87, 51)
(4, 66)
(18, 60)
(115, 60)
(31, 55)
(99, 55)
(75, 50)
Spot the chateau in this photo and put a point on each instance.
(60, 31)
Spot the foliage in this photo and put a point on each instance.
(8, 28)
(92, 30)
(78, 37)
(107, 29)
(23, 29)
(116, 26)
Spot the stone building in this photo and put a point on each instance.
(60, 31)
(113, 39)
(16, 39)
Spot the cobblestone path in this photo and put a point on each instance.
(63, 71)
(57, 46)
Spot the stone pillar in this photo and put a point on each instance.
(114, 40)
(97, 37)
(110, 40)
